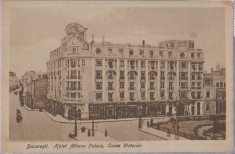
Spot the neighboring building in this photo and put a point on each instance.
(215, 91)
(13, 81)
(105, 80)
(36, 94)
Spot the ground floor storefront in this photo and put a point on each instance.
(133, 109)
(67, 110)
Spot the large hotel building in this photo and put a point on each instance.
(106, 80)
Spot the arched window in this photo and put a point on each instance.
(181, 55)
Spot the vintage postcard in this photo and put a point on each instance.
(117, 76)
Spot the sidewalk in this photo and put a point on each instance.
(60, 119)
(160, 133)
(29, 109)
(98, 136)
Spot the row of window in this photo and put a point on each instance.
(151, 53)
(151, 64)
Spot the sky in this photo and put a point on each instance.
(35, 32)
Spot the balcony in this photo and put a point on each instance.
(122, 77)
(73, 89)
(142, 78)
(152, 88)
(110, 100)
(73, 77)
(152, 78)
(170, 88)
(183, 78)
(98, 77)
(110, 88)
(131, 88)
(132, 78)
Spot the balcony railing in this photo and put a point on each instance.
(110, 88)
(151, 78)
(122, 77)
(131, 88)
(98, 77)
(71, 89)
(132, 78)
(73, 77)
(152, 88)
(142, 78)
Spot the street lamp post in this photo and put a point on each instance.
(75, 127)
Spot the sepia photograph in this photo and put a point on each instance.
(116, 76)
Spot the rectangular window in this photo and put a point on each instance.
(122, 95)
(152, 95)
(142, 95)
(142, 63)
(131, 52)
(110, 51)
(170, 54)
(121, 52)
(192, 55)
(183, 65)
(110, 85)
(98, 96)
(132, 96)
(98, 85)
(162, 64)
(198, 55)
(142, 84)
(208, 94)
(151, 85)
(121, 63)
(151, 53)
(79, 95)
(141, 52)
(132, 86)
(73, 95)
(183, 76)
(98, 74)
(122, 76)
(162, 75)
(73, 85)
(162, 84)
(73, 63)
(110, 96)
(73, 74)
(162, 94)
(122, 85)
(161, 53)
(142, 74)
(98, 62)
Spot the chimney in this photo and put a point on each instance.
(143, 42)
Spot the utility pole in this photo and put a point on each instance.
(75, 127)
(93, 133)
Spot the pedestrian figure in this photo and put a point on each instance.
(168, 133)
(89, 133)
(18, 116)
(106, 133)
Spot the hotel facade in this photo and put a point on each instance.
(104, 80)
